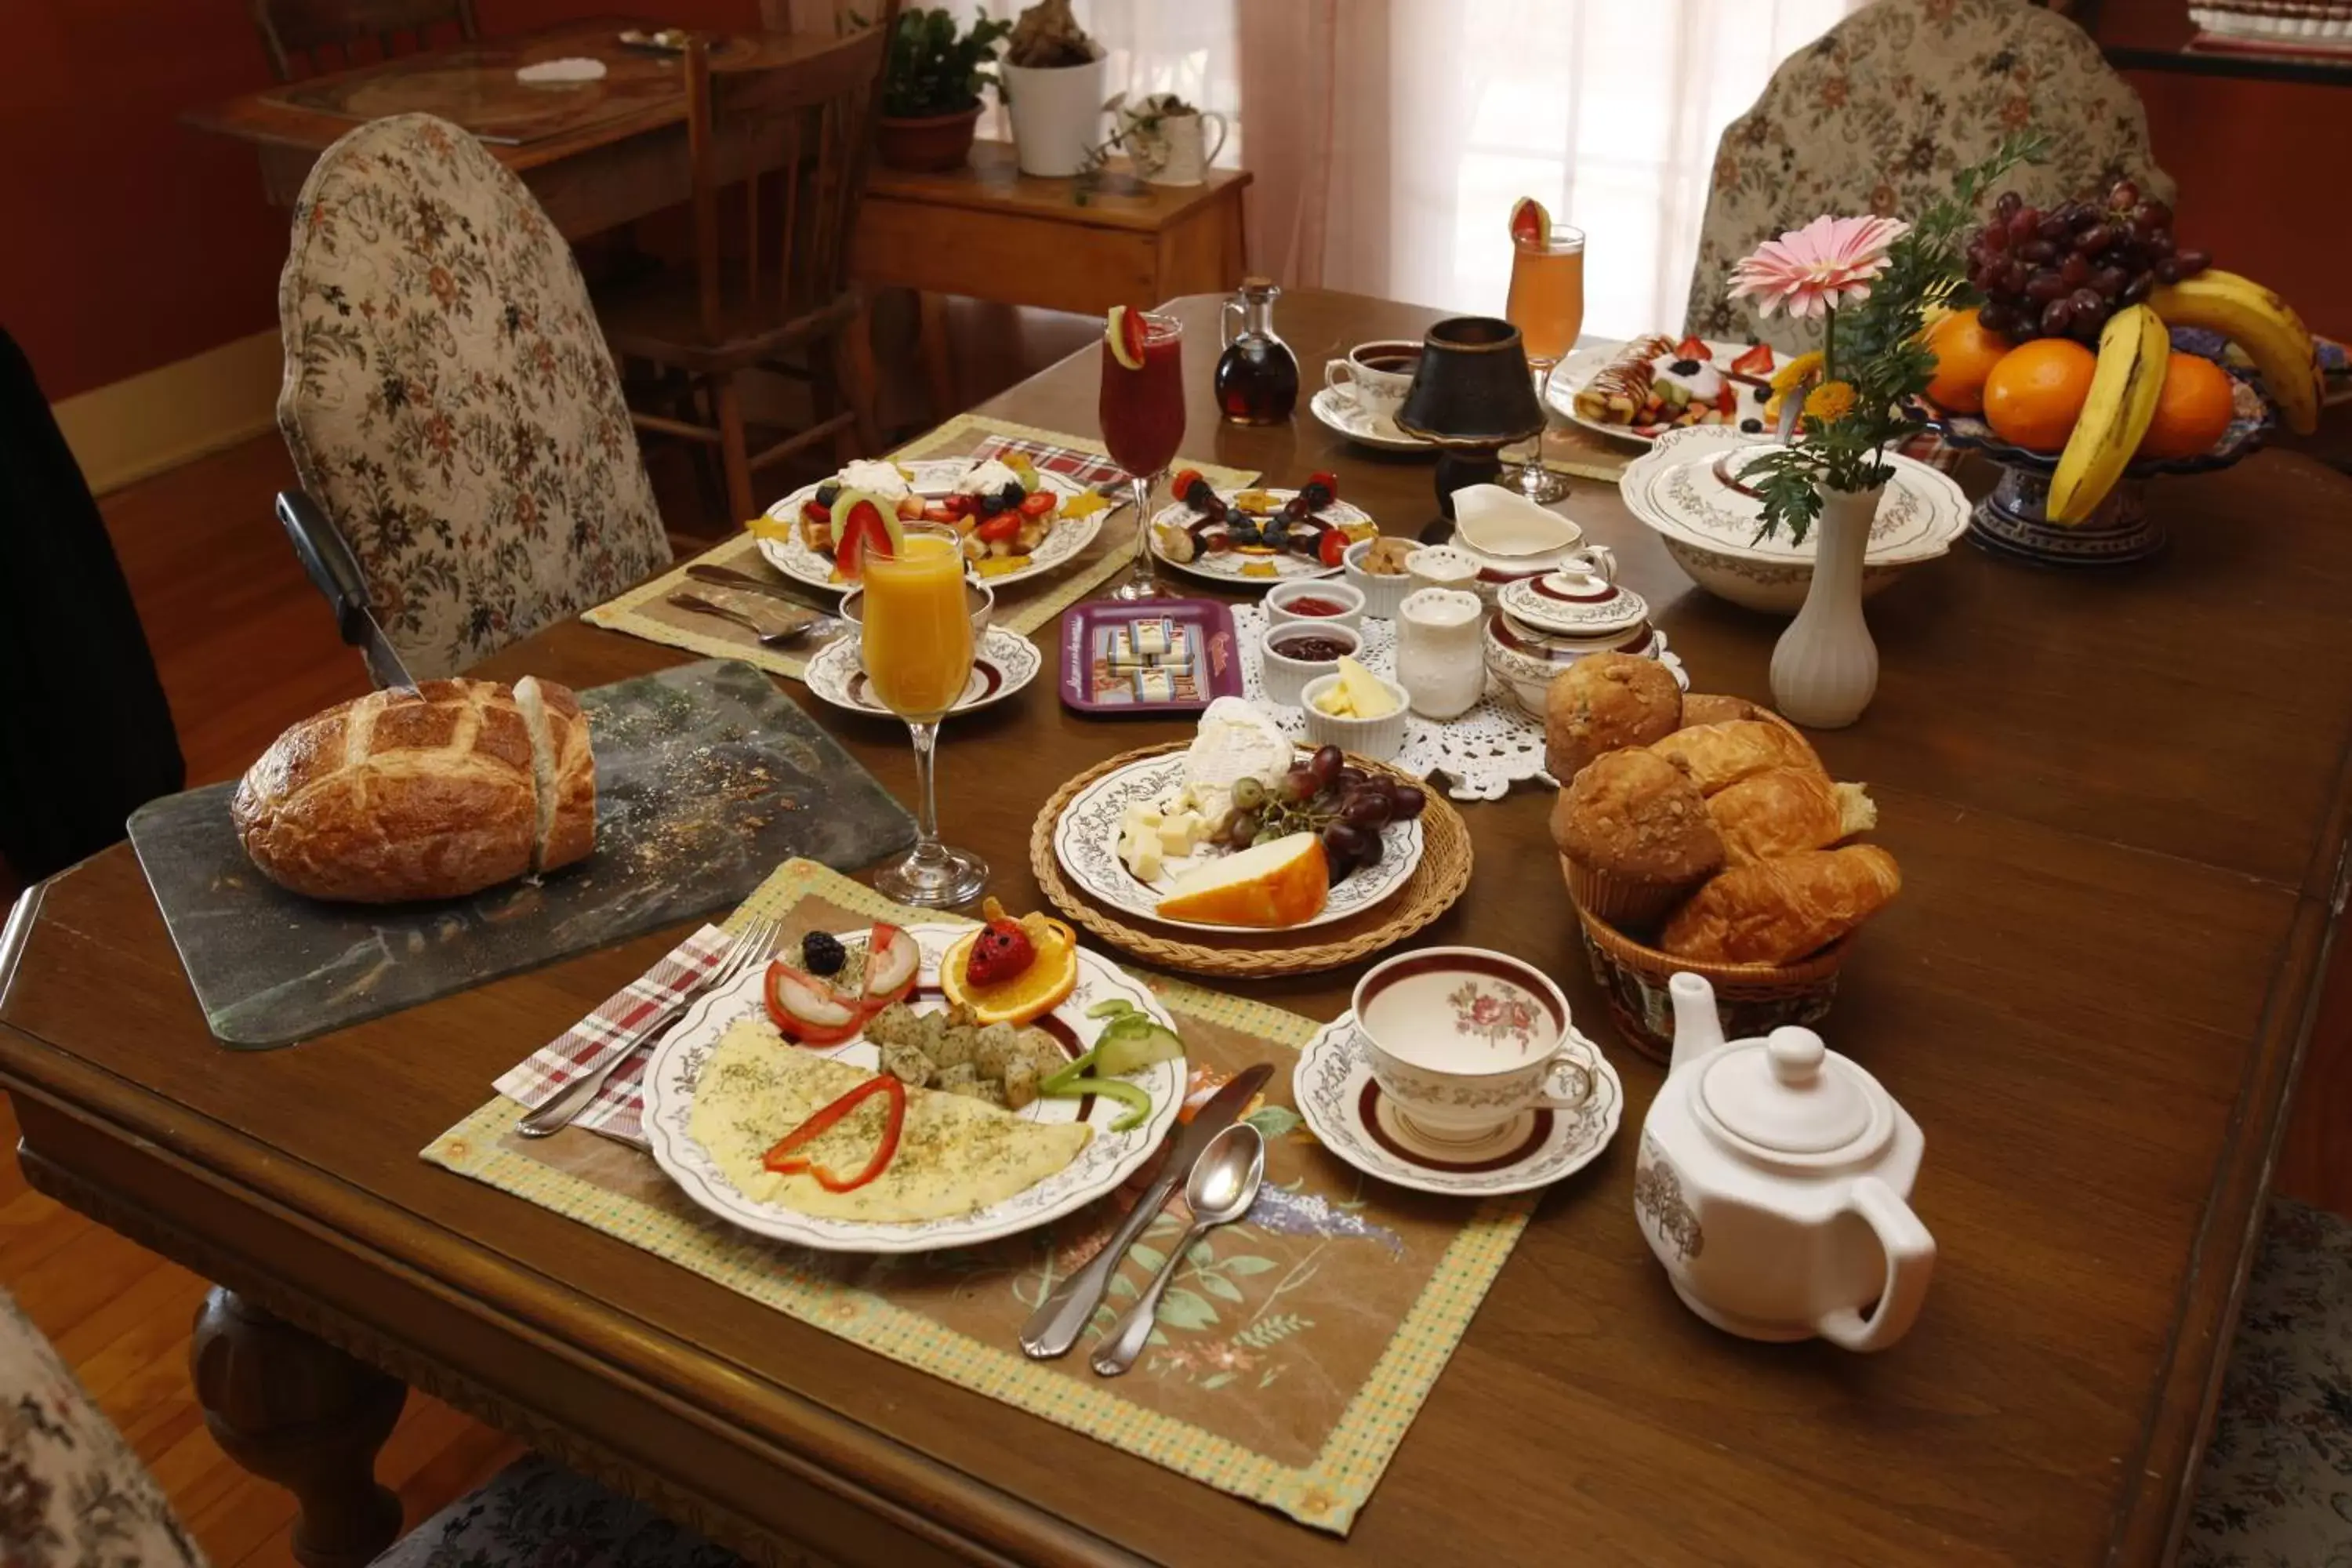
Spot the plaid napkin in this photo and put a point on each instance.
(1088, 469)
(536, 1078)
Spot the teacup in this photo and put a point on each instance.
(1463, 1040)
(1374, 376)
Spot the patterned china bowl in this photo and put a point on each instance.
(1687, 489)
(1526, 660)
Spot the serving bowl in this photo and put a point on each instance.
(1282, 596)
(1284, 677)
(1382, 593)
(1378, 739)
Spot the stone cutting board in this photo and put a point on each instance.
(707, 778)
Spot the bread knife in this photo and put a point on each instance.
(1054, 1327)
(334, 571)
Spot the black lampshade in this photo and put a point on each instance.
(1473, 387)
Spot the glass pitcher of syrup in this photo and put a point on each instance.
(1257, 376)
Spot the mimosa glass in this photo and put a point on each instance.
(1143, 415)
(915, 643)
(1547, 304)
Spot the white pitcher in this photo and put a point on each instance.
(1439, 659)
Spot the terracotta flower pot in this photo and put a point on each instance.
(929, 144)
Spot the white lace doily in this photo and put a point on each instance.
(1482, 753)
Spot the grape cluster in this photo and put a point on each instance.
(2062, 273)
(1329, 796)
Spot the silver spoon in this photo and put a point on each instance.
(1222, 1186)
(802, 624)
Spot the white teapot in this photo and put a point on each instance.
(1771, 1184)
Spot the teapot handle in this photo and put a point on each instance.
(1910, 1260)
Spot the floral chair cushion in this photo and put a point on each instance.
(536, 1514)
(72, 1494)
(1882, 111)
(449, 398)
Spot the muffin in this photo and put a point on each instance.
(1635, 835)
(1604, 702)
(1704, 707)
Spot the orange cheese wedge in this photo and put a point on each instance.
(1267, 887)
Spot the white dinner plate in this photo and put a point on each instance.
(1228, 566)
(1108, 1159)
(1005, 662)
(1571, 375)
(1366, 429)
(934, 477)
(1085, 841)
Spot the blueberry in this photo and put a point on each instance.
(822, 952)
(991, 504)
(1751, 426)
(1009, 495)
(826, 492)
(1764, 394)
(1685, 367)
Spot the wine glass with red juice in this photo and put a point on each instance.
(1142, 415)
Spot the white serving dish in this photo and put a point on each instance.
(1382, 593)
(1378, 739)
(1286, 677)
(934, 478)
(1279, 598)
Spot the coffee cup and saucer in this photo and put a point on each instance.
(1361, 394)
(1458, 1072)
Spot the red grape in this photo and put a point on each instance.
(2095, 240)
(2153, 213)
(2007, 206)
(2045, 286)
(2075, 270)
(2022, 226)
(2167, 269)
(2124, 195)
(2192, 262)
(2040, 252)
(2057, 318)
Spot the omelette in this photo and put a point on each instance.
(955, 1154)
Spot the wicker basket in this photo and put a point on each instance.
(1754, 998)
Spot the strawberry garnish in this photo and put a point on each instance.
(1124, 334)
(1692, 348)
(1756, 361)
(1003, 951)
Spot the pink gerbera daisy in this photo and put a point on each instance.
(1828, 263)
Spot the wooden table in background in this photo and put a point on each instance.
(2119, 805)
(596, 154)
(988, 232)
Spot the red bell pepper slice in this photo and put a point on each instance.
(781, 1161)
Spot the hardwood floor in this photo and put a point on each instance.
(245, 647)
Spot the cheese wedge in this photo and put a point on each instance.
(1267, 887)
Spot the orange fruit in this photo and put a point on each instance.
(1965, 354)
(1029, 995)
(2035, 393)
(2191, 411)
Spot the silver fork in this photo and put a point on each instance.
(755, 945)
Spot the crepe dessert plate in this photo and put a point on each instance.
(1344, 1108)
(724, 1084)
(793, 542)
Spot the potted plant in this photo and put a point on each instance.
(930, 93)
(1874, 280)
(1053, 83)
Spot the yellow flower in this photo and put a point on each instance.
(1796, 370)
(1830, 402)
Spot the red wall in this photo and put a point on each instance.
(2263, 181)
(126, 239)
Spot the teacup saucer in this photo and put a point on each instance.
(1344, 1108)
(1356, 424)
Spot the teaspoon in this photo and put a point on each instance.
(1222, 1186)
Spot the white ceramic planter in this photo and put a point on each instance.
(1058, 115)
(1825, 667)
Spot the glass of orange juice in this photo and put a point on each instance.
(919, 620)
(1547, 304)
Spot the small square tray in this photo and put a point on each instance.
(1204, 628)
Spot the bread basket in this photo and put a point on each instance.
(1754, 999)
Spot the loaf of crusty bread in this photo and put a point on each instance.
(1716, 755)
(1784, 811)
(1777, 912)
(397, 795)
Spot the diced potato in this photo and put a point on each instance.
(1020, 1083)
(996, 1045)
(908, 1064)
(894, 1025)
(947, 1078)
(953, 1047)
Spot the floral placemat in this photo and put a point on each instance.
(646, 611)
(1293, 1349)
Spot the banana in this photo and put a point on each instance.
(2260, 323)
(2134, 349)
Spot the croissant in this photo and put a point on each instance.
(1707, 707)
(1784, 811)
(1777, 912)
(1719, 754)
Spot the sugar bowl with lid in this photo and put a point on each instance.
(1773, 1181)
(1544, 623)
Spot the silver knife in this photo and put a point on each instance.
(725, 577)
(327, 556)
(1054, 1327)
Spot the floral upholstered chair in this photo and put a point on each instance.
(448, 399)
(1881, 111)
(73, 1495)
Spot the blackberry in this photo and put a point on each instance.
(822, 952)
(1751, 426)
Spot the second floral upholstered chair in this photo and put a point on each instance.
(448, 399)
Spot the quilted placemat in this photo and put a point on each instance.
(1293, 1350)
(646, 611)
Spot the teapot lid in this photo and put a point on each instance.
(1788, 1093)
(1574, 602)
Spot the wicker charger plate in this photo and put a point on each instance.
(1435, 883)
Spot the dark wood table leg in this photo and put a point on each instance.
(295, 1410)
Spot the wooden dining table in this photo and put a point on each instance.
(2118, 800)
(596, 154)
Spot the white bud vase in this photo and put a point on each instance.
(1825, 668)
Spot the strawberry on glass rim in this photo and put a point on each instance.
(1529, 222)
(863, 520)
(1125, 332)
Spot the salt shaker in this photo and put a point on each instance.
(1439, 660)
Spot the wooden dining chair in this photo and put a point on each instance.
(1880, 112)
(787, 143)
(307, 37)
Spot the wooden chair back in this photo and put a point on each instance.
(811, 121)
(314, 35)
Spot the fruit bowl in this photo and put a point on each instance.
(2011, 522)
